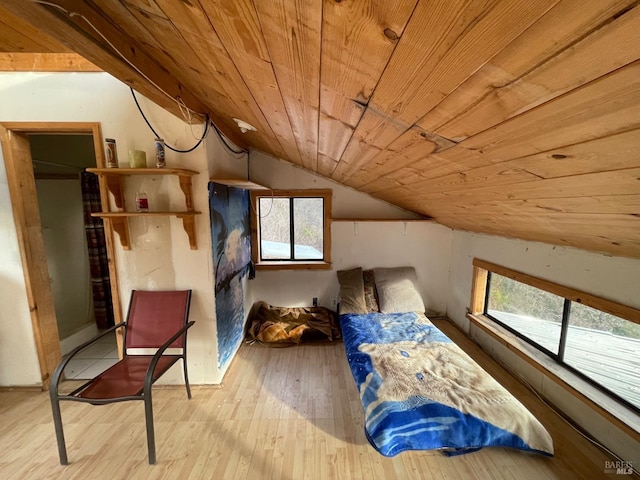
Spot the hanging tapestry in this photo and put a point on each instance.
(231, 239)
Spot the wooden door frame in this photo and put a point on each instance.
(26, 214)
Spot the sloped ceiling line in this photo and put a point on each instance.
(510, 117)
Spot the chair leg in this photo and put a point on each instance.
(151, 440)
(186, 377)
(57, 423)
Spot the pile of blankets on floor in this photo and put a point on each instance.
(285, 326)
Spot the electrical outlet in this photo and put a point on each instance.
(315, 301)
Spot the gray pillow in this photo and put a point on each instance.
(370, 294)
(398, 290)
(351, 291)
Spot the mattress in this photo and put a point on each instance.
(420, 391)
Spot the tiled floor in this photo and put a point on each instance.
(93, 360)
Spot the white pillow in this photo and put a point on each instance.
(398, 290)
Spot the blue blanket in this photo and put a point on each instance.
(420, 391)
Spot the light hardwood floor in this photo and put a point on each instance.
(287, 413)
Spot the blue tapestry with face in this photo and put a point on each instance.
(231, 239)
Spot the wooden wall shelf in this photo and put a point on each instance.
(239, 183)
(426, 219)
(119, 220)
(114, 180)
(142, 171)
(143, 214)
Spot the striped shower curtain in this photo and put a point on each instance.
(98, 263)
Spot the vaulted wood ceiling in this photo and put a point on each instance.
(516, 117)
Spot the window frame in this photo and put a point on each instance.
(482, 271)
(291, 264)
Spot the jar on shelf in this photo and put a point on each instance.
(142, 204)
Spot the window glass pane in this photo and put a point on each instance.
(308, 228)
(532, 312)
(275, 232)
(606, 349)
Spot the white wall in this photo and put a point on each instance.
(615, 278)
(426, 246)
(159, 257)
(18, 355)
(347, 202)
(61, 214)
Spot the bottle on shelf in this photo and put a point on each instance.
(160, 161)
(111, 153)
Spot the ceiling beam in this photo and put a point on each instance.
(45, 62)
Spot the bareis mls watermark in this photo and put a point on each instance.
(619, 467)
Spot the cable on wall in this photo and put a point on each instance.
(224, 141)
(204, 133)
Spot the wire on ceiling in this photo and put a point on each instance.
(178, 100)
(181, 105)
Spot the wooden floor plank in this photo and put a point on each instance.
(309, 426)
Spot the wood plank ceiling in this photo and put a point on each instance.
(519, 118)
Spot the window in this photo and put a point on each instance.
(606, 349)
(291, 229)
(522, 308)
(594, 338)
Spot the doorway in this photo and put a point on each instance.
(17, 151)
(74, 240)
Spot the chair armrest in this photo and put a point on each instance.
(148, 379)
(55, 380)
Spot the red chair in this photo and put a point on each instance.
(156, 320)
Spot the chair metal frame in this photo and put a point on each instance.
(144, 394)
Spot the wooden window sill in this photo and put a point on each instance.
(293, 266)
(588, 394)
